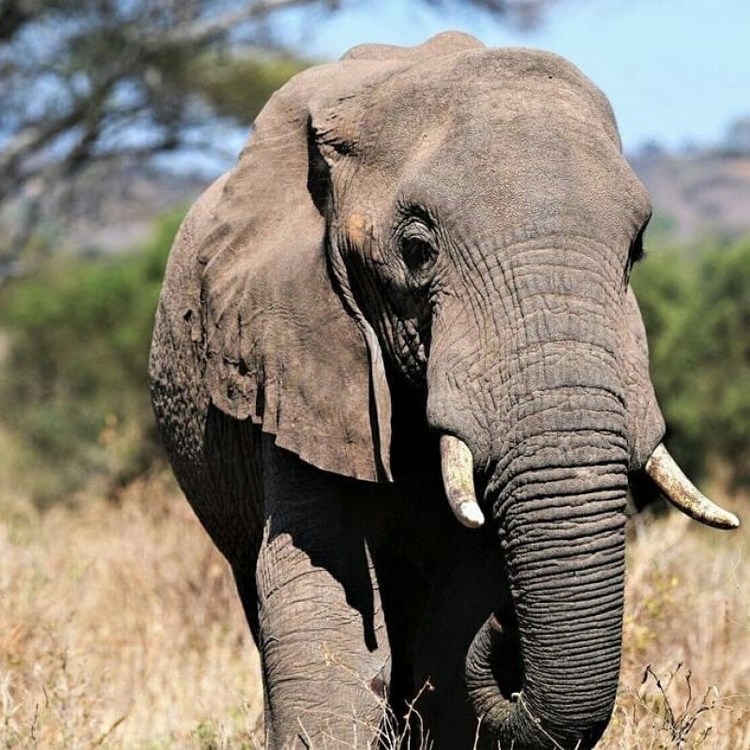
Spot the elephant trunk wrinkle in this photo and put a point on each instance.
(558, 500)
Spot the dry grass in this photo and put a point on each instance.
(686, 661)
(120, 628)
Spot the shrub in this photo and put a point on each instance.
(696, 307)
(73, 387)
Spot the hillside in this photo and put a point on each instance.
(697, 194)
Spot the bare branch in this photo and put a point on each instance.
(205, 31)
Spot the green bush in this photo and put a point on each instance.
(696, 306)
(73, 382)
(73, 386)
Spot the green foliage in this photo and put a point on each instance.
(73, 386)
(696, 306)
(238, 86)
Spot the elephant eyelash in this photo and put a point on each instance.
(637, 251)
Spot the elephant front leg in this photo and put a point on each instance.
(324, 650)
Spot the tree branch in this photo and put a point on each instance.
(201, 32)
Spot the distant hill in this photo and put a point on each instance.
(695, 194)
(699, 193)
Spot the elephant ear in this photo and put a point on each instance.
(645, 421)
(286, 347)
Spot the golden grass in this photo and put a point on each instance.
(120, 628)
(686, 659)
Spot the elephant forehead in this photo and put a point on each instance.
(526, 170)
(490, 83)
(502, 115)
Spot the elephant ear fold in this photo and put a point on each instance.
(281, 347)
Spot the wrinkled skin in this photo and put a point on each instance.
(416, 243)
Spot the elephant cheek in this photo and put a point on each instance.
(645, 423)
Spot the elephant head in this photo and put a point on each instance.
(459, 220)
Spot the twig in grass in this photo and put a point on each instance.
(107, 732)
(680, 725)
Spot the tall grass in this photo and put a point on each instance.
(686, 660)
(120, 628)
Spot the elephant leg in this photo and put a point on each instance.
(403, 591)
(322, 637)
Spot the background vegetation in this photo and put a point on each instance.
(74, 395)
(695, 302)
(73, 384)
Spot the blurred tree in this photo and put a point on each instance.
(117, 81)
(737, 140)
(696, 307)
(74, 384)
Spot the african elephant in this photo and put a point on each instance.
(407, 304)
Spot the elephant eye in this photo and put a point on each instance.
(419, 254)
(637, 253)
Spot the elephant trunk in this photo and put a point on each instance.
(559, 506)
(550, 391)
(568, 599)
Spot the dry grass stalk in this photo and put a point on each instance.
(120, 628)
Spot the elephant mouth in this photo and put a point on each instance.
(458, 480)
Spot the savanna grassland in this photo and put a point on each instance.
(120, 628)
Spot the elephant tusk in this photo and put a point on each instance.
(681, 492)
(458, 479)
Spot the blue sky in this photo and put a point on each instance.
(676, 71)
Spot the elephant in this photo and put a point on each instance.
(402, 379)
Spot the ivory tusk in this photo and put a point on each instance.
(681, 492)
(458, 479)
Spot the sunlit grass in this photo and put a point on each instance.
(120, 628)
(686, 661)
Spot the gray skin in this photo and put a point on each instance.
(418, 242)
